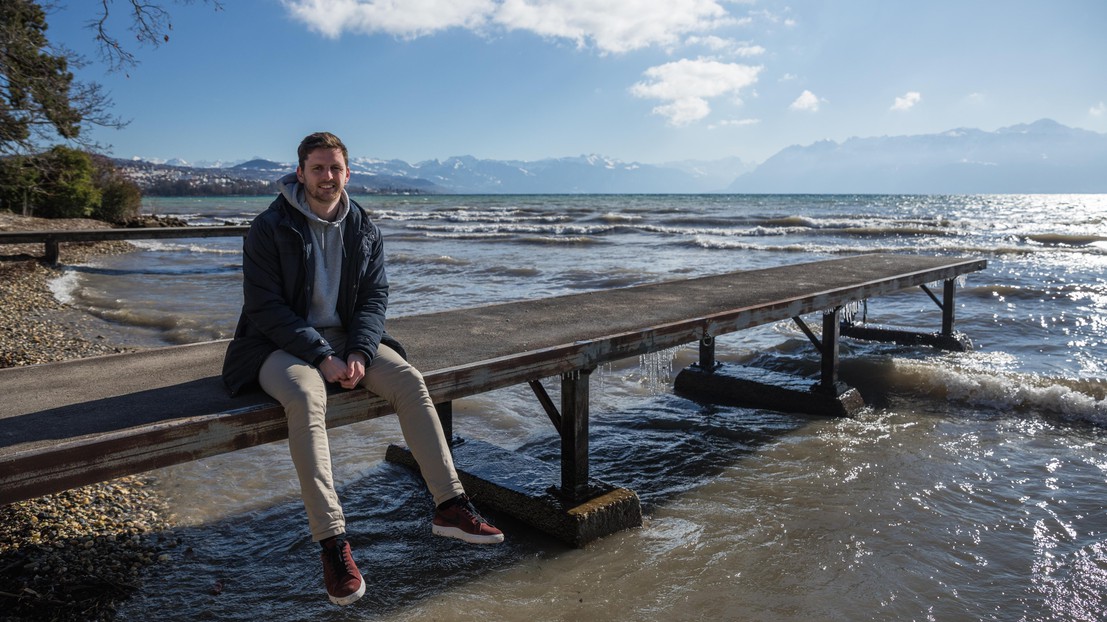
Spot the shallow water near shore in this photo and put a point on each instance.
(972, 487)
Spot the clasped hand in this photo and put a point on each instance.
(348, 373)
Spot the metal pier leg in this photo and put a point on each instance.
(828, 377)
(948, 289)
(446, 418)
(574, 434)
(53, 251)
(707, 354)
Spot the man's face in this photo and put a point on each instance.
(323, 175)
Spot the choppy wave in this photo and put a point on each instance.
(64, 286)
(500, 216)
(521, 272)
(575, 240)
(172, 328)
(170, 270)
(1065, 239)
(1006, 391)
(422, 260)
(177, 247)
(515, 229)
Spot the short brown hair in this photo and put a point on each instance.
(320, 140)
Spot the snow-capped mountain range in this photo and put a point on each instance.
(1043, 156)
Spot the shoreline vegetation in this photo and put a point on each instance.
(73, 555)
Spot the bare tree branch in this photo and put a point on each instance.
(150, 24)
(40, 101)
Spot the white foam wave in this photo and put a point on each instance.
(64, 286)
(1009, 391)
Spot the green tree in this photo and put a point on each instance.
(20, 184)
(68, 186)
(120, 198)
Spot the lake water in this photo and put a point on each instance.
(973, 486)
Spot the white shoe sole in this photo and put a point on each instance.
(346, 600)
(454, 532)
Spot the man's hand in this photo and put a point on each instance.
(333, 369)
(355, 369)
(347, 374)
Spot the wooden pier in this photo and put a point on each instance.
(77, 422)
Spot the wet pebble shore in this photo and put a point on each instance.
(72, 555)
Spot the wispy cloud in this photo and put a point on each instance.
(725, 46)
(806, 102)
(686, 86)
(611, 27)
(734, 123)
(1098, 110)
(907, 102)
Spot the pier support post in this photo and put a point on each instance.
(741, 385)
(52, 251)
(574, 434)
(828, 375)
(707, 354)
(948, 289)
(579, 510)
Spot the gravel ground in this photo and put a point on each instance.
(71, 555)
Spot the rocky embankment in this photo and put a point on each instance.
(76, 554)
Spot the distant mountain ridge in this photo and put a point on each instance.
(1040, 157)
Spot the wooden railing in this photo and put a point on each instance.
(52, 240)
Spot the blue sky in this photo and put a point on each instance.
(649, 81)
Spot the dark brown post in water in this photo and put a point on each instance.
(574, 433)
(707, 354)
(828, 380)
(948, 288)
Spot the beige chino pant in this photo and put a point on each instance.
(300, 388)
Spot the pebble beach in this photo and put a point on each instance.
(72, 555)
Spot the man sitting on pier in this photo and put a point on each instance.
(315, 294)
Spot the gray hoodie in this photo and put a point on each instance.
(328, 252)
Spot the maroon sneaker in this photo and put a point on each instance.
(457, 518)
(340, 573)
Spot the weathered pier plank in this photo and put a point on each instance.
(76, 422)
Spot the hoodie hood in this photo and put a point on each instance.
(293, 192)
(327, 252)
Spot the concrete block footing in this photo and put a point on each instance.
(955, 342)
(740, 385)
(519, 486)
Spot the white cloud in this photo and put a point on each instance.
(726, 46)
(907, 102)
(684, 110)
(806, 102)
(411, 18)
(686, 85)
(613, 26)
(735, 123)
(1098, 110)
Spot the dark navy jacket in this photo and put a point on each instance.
(278, 274)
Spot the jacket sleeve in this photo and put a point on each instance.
(366, 325)
(266, 294)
